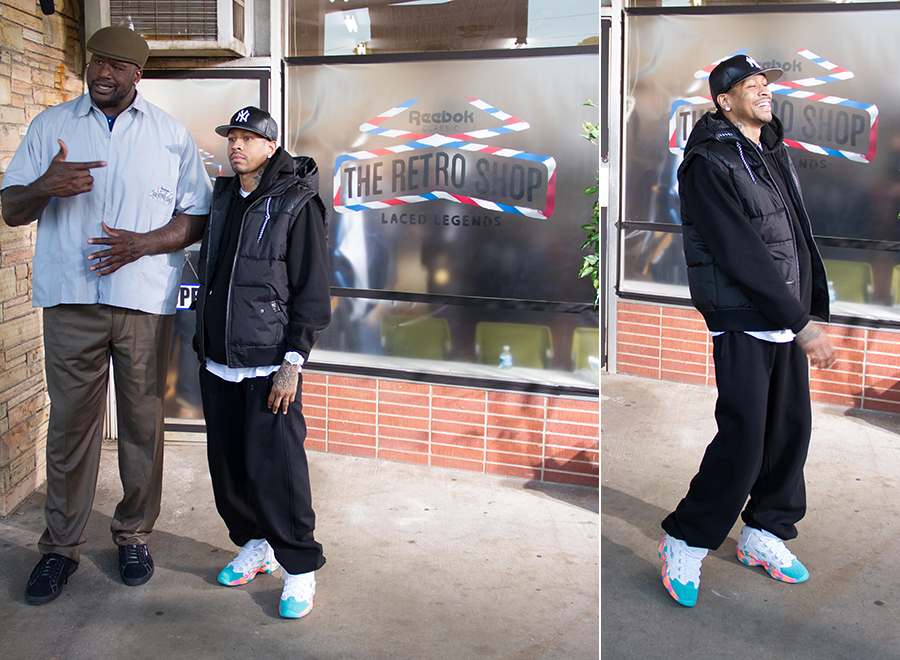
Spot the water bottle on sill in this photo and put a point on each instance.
(506, 358)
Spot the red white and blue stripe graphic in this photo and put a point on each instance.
(792, 88)
(460, 141)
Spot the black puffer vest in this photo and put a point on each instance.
(723, 304)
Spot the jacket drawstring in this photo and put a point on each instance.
(743, 160)
(266, 221)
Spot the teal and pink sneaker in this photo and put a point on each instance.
(757, 547)
(255, 557)
(297, 596)
(681, 569)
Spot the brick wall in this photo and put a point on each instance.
(672, 343)
(41, 63)
(532, 437)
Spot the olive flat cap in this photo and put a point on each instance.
(120, 43)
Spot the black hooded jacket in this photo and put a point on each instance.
(274, 295)
(740, 239)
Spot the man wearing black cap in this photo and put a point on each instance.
(756, 276)
(264, 298)
(118, 189)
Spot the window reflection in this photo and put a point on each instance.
(361, 27)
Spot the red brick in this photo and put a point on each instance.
(499, 458)
(314, 378)
(495, 398)
(589, 416)
(633, 369)
(316, 434)
(571, 479)
(882, 406)
(406, 411)
(388, 432)
(684, 324)
(359, 430)
(349, 381)
(456, 429)
(575, 467)
(404, 387)
(459, 417)
(457, 393)
(564, 455)
(637, 352)
(400, 399)
(574, 430)
(406, 422)
(351, 393)
(836, 399)
(638, 341)
(314, 445)
(355, 416)
(351, 450)
(682, 377)
(402, 445)
(556, 443)
(624, 318)
(591, 405)
(456, 463)
(352, 406)
(514, 423)
(458, 440)
(514, 447)
(513, 471)
(510, 435)
(403, 457)
(457, 452)
(469, 405)
(512, 410)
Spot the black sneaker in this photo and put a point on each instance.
(48, 578)
(135, 564)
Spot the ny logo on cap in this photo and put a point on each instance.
(244, 115)
(752, 62)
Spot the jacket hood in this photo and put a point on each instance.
(715, 127)
(282, 169)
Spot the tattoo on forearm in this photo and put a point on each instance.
(809, 334)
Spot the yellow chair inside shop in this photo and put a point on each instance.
(585, 345)
(422, 337)
(852, 281)
(530, 345)
(895, 286)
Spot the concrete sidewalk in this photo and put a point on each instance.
(653, 437)
(422, 563)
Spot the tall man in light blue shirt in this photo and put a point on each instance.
(118, 189)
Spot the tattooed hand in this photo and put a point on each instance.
(817, 345)
(124, 247)
(284, 388)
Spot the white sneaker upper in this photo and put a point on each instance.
(683, 561)
(301, 587)
(765, 546)
(253, 554)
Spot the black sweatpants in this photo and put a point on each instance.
(258, 467)
(764, 419)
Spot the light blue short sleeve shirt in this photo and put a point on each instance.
(153, 172)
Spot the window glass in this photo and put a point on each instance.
(453, 184)
(367, 27)
(839, 107)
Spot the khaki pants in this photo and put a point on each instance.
(79, 341)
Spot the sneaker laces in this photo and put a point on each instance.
(50, 567)
(685, 562)
(302, 587)
(774, 548)
(134, 554)
(250, 557)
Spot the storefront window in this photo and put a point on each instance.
(455, 195)
(838, 105)
(378, 27)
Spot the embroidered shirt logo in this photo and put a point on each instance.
(243, 116)
(162, 195)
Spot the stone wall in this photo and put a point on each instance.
(41, 65)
